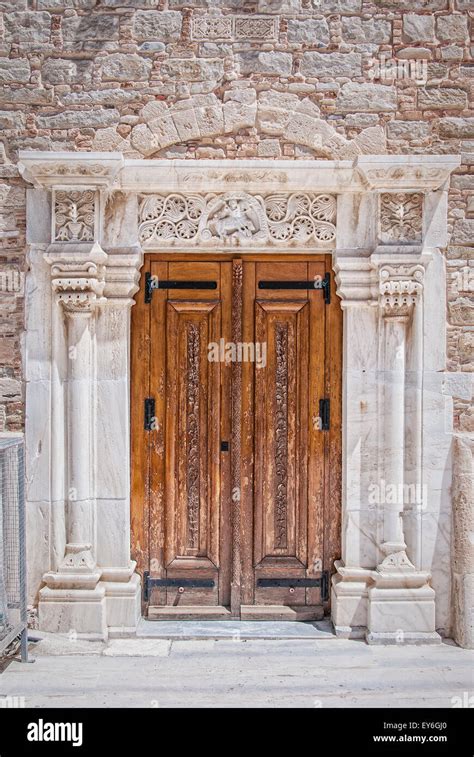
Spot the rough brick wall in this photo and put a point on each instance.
(218, 79)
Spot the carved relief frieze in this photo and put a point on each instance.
(212, 27)
(400, 287)
(256, 27)
(234, 218)
(74, 215)
(401, 217)
(217, 26)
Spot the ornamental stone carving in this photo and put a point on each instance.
(401, 217)
(400, 287)
(74, 215)
(216, 26)
(296, 220)
(78, 285)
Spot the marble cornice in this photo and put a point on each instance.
(364, 173)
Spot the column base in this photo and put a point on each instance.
(401, 608)
(80, 613)
(393, 604)
(349, 601)
(123, 600)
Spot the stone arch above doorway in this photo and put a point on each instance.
(281, 115)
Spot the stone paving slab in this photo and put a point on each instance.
(241, 629)
(243, 673)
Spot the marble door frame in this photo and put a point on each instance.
(385, 218)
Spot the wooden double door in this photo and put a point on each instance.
(236, 409)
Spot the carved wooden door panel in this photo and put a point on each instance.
(285, 447)
(235, 480)
(189, 544)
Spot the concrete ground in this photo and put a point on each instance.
(238, 668)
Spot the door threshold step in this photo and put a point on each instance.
(234, 630)
(281, 612)
(191, 612)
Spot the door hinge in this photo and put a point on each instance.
(324, 414)
(298, 583)
(152, 282)
(173, 583)
(149, 414)
(326, 287)
(324, 284)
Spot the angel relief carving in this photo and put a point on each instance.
(234, 218)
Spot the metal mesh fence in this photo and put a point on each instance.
(13, 615)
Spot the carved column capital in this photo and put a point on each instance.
(78, 290)
(400, 288)
(78, 277)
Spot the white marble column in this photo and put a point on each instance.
(394, 428)
(401, 606)
(400, 290)
(73, 601)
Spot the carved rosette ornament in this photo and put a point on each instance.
(400, 287)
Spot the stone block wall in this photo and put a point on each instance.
(291, 79)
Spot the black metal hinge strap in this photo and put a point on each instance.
(297, 583)
(149, 414)
(170, 583)
(325, 586)
(324, 284)
(152, 282)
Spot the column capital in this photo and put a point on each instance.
(77, 276)
(400, 288)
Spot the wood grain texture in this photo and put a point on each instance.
(270, 506)
(236, 434)
(139, 441)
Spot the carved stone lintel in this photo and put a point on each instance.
(400, 287)
(298, 219)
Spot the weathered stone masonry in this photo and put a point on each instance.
(284, 79)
